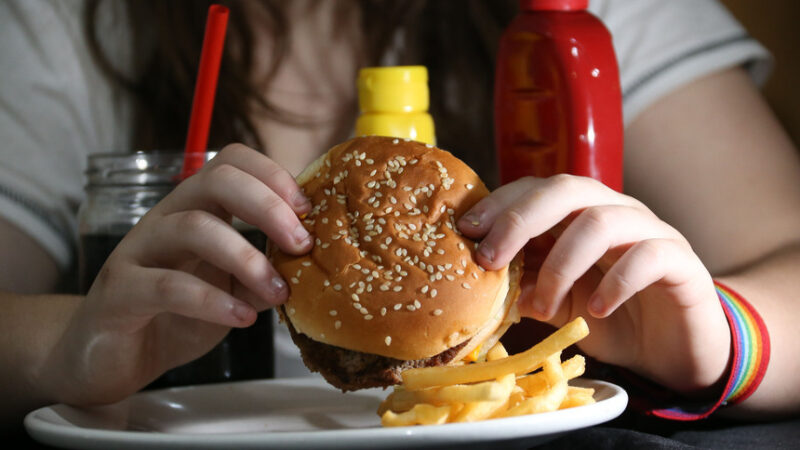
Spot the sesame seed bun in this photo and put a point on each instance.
(389, 273)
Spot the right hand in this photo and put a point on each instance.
(180, 279)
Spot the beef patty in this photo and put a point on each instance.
(350, 370)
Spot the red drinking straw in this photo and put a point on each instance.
(204, 90)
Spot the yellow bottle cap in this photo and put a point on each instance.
(393, 89)
(416, 126)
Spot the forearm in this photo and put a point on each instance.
(31, 328)
(772, 287)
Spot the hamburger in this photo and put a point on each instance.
(391, 284)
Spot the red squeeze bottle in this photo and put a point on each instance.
(558, 103)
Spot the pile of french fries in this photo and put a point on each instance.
(500, 386)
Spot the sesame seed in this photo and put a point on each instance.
(450, 277)
(337, 324)
(433, 293)
(437, 312)
(326, 283)
(398, 288)
(417, 304)
(469, 186)
(368, 317)
(388, 340)
(295, 280)
(475, 275)
(411, 307)
(337, 287)
(292, 311)
(332, 312)
(466, 286)
(306, 263)
(383, 311)
(424, 289)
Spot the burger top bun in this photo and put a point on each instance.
(389, 273)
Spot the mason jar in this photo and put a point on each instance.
(120, 189)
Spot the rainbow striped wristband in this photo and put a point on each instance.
(751, 347)
(749, 359)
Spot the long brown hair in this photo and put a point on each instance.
(455, 39)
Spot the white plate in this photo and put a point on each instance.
(287, 414)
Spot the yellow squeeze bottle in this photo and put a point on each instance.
(394, 102)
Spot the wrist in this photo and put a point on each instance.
(50, 369)
(748, 361)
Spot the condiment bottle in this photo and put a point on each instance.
(558, 105)
(394, 102)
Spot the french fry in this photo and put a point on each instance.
(550, 399)
(387, 405)
(521, 363)
(551, 369)
(577, 396)
(474, 411)
(421, 414)
(496, 387)
(487, 391)
(496, 352)
(535, 383)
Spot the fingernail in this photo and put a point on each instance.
(277, 286)
(595, 304)
(486, 251)
(300, 201)
(242, 312)
(471, 219)
(540, 307)
(301, 235)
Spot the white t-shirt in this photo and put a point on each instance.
(56, 107)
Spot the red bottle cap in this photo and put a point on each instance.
(553, 5)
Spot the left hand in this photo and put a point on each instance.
(650, 301)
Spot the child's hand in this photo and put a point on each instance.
(649, 300)
(181, 278)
